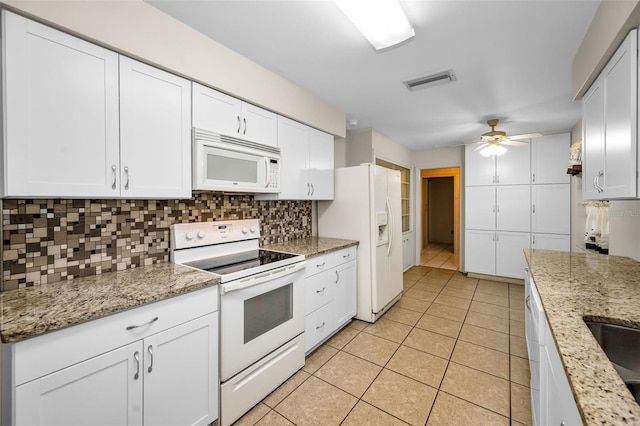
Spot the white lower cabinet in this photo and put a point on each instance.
(407, 250)
(552, 401)
(165, 374)
(330, 295)
(496, 252)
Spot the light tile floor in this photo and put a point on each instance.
(439, 256)
(450, 352)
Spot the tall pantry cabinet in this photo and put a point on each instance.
(515, 201)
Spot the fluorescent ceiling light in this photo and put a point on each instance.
(382, 22)
(493, 149)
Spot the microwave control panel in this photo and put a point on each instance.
(274, 174)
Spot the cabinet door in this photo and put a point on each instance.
(513, 211)
(510, 261)
(549, 156)
(216, 112)
(513, 167)
(559, 404)
(320, 165)
(155, 142)
(345, 298)
(619, 83)
(592, 141)
(259, 125)
(480, 207)
(294, 149)
(559, 242)
(478, 169)
(105, 390)
(181, 374)
(407, 250)
(61, 113)
(479, 253)
(550, 208)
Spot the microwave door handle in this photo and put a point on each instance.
(266, 172)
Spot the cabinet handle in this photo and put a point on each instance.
(238, 131)
(126, 173)
(497, 178)
(115, 176)
(534, 208)
(349, 254)
(308, 189)
(136, 356)
(312, 189)
(493, 208)
(337, 277)
(131, 327)
(526, 302)
(320, 326)
(497, 237)
(150, 350)
(533, 238)
(321, 291)
(244, 120)
(534, 177)
(497, 208)
(320, 265)
(600, 173)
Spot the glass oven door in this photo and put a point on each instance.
(258, 317)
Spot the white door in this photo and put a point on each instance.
(550, 208)
(105, 390)
(480, 207)
(592, 141)
(478, 169)
(181, 374)
(479, 252)
(155, 132)
(407, 250)
(345, 295)
(513, 211)
(320, 165)
(294, 148)
(510, 261)
(549, 157)
(216, 112)
(619, 82)
(259, 125)
(61, 111)
(513, 167)
(559, 242)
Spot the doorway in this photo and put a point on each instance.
(440, 208)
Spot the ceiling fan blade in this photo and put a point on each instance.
(473, 142)
(526, 136)
(480, 147)
(513, 143)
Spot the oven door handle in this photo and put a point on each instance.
(262, 278)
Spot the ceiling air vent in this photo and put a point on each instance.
(430, 80)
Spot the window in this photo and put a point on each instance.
(405, 191)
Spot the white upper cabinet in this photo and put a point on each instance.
(609, 120)
(480, 207)
(512, 208)
(306, 171)
(550, 211)
(83, 122)
(60, 113)
(510, 168)
(155, 132)
(549, 157)
(224, 114)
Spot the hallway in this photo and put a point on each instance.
(439, 256)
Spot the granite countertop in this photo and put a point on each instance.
(312, 246)
(36, 310)
(574, 286)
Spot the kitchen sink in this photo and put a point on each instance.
(622, 347)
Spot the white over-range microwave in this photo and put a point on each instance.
(224, 163)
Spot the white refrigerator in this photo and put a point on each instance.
(366, 207)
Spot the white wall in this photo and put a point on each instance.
(142, 31)
(578, 212)
(624, 228)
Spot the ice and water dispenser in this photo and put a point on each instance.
(383, 229)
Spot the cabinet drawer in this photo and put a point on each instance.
(50, 352)
(345, 255)
(318, 326)
(319, 290)
(319, 264)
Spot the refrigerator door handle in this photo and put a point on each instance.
(390, 214)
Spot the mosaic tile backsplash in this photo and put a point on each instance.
(46, 241)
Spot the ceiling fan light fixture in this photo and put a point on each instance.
(382, 22)
(493, 149)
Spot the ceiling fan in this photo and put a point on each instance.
(492, 142)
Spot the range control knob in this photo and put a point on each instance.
(253, 229)
(189, 236)
(245, 230)
(201, 234)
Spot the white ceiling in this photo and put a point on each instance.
(512, 60)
